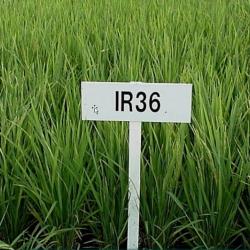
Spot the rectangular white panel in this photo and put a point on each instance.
(136, 101)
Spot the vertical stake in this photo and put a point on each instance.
(134, 184)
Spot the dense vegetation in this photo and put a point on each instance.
(63, 182)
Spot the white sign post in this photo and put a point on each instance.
(136, 102)
(134, 184)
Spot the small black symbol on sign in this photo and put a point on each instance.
(95, 109)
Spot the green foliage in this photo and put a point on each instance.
(63, 182)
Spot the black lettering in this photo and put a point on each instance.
(154, 101)
(126, 98)
(142, 101)
(116, 100)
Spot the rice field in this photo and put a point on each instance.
(64, 182)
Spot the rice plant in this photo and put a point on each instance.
(63, 181)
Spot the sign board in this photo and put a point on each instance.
(147, 102)
(136, 102)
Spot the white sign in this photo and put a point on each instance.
(147, 102)
(136, 102)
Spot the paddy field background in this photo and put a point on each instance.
(64, 182)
